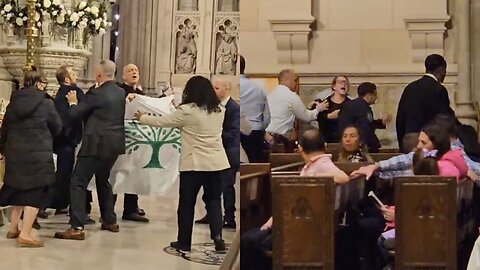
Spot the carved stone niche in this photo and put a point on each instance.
(426, 35)
(226, 46)
(291, 36)
(186, 46)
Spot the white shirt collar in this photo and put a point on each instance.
(431, 75)
(225, 101)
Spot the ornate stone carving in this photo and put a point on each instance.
(227, 50)
(47, 31)
(188, 5)
(426, 35)
(186, 47)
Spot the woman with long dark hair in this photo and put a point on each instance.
(202, 160)
(26, 143)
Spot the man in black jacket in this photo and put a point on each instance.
(103, 109)
(359, 113)
(64, 145)
(231, 144)
(131, 211)
(423, 99)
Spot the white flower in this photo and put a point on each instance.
(54, 13)
(57, 2)
(39, 24)
(19, 21)
(20, 14)
(87, 9)
(97, 24)
(74, 23)
(82, 5)
(9, 15)
(47, 3)
(37, 16)
(92, 22)
(69, 12)
(60, 19)
(74, 17)
(7, 7)
(101, 31)
(109, 23)
(85, 20)
(2, 12)
(44, 13)
(39, 5)
(81, 13)
(25, 18)
(95, 10)
(82, 24)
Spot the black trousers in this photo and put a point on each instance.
(130, 203)
(65, 161)
(85, 169)
(228, 191)
(254, 146)
(370, 227)
(253, 247)
(190, 184)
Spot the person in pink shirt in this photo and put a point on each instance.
(432, 157)
(318, 163)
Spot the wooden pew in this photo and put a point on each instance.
(427, 234)
(388, 150)
(279, 159)
(303, 214)
(383, 156)
(255, 195)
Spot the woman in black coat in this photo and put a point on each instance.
(27, 132)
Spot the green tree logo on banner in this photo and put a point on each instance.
(137, 134)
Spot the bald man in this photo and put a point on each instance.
(285, 106)
(231, 144)
(131, 85)
(103, 111)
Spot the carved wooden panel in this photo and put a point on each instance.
(255, 195)
(303, 214)
(425, 222)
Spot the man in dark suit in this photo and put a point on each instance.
(64, 145)
(231, 144)
(423, 99)
(359, 113)
(103, 109)
(131, 211)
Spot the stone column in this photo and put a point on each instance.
(164, 40)
(464, 111)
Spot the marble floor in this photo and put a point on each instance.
(137, 246)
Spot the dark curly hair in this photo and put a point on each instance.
(199, 90)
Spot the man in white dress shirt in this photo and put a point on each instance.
(285, 106)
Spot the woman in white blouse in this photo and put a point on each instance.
(202, 160)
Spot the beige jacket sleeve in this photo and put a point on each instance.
(176, 119)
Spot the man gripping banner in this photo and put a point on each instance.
(150, 164)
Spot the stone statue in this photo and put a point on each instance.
(228, 5)
(227, 54)
(186, 51)
(47, 30)
(188, 5)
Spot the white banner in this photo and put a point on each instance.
(150, 165)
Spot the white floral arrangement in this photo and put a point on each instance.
(90, 15)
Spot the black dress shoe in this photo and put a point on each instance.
(180, 248)
(135, 217)
(140, 212)
(42, 214)
(203, 220)
(36, 225)
(220, 246)
(89, 221)
(230, 225)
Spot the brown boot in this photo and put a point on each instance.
(71, 234)
(110, 227)
(29, 243)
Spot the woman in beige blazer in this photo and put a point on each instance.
(202, 160)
